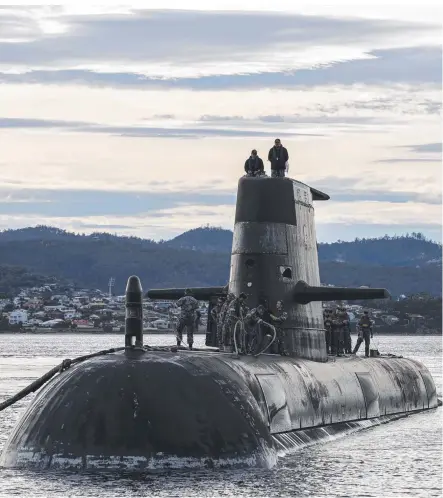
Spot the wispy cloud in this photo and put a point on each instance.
(409, 160)
(433, 148)
(433, 151)
(128, 42)
(380, 67)
(142, 131)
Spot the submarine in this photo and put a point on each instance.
(147, 408)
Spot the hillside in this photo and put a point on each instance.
(200, 257)
(12, 278)
(408, 250)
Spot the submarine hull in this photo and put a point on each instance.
(145, 410)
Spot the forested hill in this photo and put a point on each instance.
(200, 257)
(407, 250)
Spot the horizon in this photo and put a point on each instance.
(138, 121)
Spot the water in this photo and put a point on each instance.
(398, 459)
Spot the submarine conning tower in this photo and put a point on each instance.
(274, 247)
(274, 257)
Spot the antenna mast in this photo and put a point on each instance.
(111, 284)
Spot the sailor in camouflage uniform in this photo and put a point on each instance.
(255, 332)
(327, 320)
(278, 320)
(215, 315)
(235, 312)
(346, 321)
(187, 318)
(222, 317)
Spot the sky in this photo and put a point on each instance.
(138, 121)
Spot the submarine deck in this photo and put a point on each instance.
(206, 403)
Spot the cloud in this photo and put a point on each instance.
(78, 203)
(380, 67)
(39, 123)
(433, 148)
(193, 44)
(409, 160)
(353, 195)
(363, 189)
(140, 131)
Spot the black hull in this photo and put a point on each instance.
(197, 409)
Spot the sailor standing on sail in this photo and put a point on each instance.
(187, 318)
(278, 157)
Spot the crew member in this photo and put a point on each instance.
(235, 313)
(215, 312)
(327, 320)
(364, 333)
(223, 318)
(346, 324)
(254, 165)
(337, 332)
(187, 318)
(258, 330)
(278, 320)
(278, 157)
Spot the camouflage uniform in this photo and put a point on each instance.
(222, 317)
(254, 321)
(337, 333)
(364, 333)
(187, 318)
(327, 320)
(235, 312)
(278, 320)
(215, 315)
(346, 324)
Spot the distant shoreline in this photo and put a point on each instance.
(42, 331)
(169, 332)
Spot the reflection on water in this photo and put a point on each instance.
(402, 458)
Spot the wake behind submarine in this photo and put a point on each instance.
(146, 408)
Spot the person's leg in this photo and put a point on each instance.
(367, 342)
(190, 330)
(179, 332)
(359, 341)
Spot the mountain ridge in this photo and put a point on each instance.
(200, 257)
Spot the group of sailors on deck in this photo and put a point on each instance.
(238, 328)
(260, 329)
(338, 331)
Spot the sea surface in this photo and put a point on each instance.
(398, 459)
